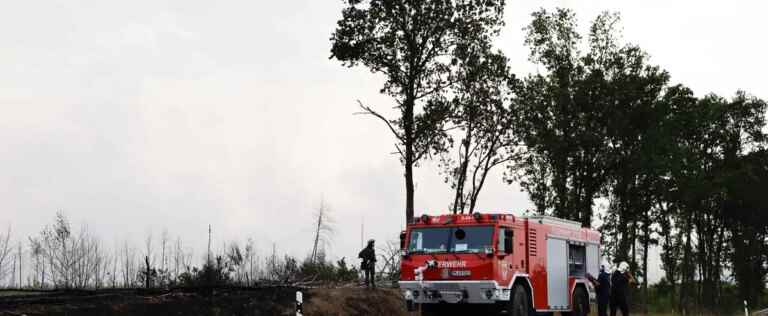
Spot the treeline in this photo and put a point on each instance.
(686, 173)
(598, 125)
(61, 257)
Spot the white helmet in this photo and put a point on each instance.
(623, 267)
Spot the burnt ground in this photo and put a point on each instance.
(254, 301)
(257, 301)
(335, 301)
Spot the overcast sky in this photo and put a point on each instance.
(135, 116)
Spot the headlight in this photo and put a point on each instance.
(408, 295)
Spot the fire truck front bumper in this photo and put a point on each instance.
(453, 292)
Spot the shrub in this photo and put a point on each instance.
(323, 271)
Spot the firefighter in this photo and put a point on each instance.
(621, 279)
(368, 264)
(603, 291)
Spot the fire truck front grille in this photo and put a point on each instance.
(446, 286)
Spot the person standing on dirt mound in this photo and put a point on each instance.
(621, 279)
(368, 264)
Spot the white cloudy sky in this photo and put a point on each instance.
(134, 116)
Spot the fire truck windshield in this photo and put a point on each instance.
(473, 239)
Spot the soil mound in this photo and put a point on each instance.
(354, 302)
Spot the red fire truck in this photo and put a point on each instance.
(516, 265)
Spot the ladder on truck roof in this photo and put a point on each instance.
(543, 219)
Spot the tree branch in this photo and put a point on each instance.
(368, 111)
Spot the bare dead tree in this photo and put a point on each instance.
(20, 256)
(273, 264)
(149, 261)
(250, 258)
(5, 252)
(389, 263)
(148, 248)
(128, 264)
(98, 262)
(59, 245)
(85, 254)
(178, 258)
(75, 260)
(182, 259)
(115, 264)
(147, 273)
(323, 223)
(208, 260)
(36, 252)
(109, 264)
(13, 271)
(236, 260)
(163, 273)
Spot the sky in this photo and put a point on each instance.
(132, 117)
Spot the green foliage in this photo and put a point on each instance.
(480, 114)
(579, 115)
(599, 120)
(212, 274)
(411, 43)
(283, 270)
(677, 170)
(321, 271)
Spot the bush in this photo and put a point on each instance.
(326, 272)
(212, 274)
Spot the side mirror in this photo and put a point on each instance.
(402, 240)
(488, 251)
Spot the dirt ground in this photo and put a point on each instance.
(355, 301)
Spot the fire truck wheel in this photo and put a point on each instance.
(519, 305)
(580, 302)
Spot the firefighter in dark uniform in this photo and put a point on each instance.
(368, 264)
(603, 291)
(621, 280)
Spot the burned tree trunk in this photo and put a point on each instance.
(147, 275)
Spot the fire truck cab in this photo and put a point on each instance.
(516, 265)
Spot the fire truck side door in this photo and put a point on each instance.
(506, 241)
(505, 248)
(593, 260)
(557, 273)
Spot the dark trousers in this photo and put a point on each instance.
(602, 307)
(370, 278)
(620, 305)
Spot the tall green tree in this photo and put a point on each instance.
(480, 113)
(411, 43)
(699, 234)
(636, 124)
(747, 209)
(561, 117)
